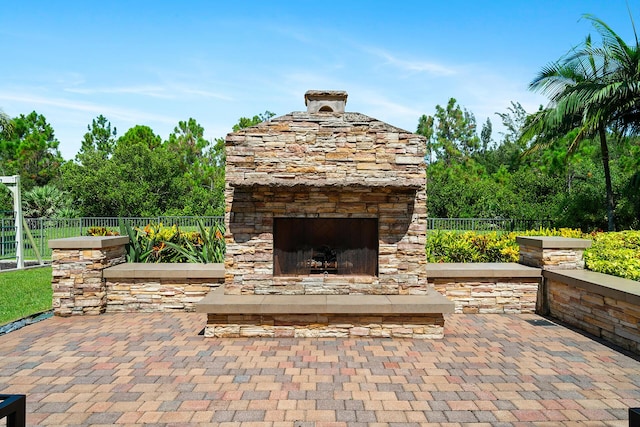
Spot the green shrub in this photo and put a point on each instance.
(101, 231)
(471, 246)
(156, 243)
(617, 254)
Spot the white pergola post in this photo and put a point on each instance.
(13, 184)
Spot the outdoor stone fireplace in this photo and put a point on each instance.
(324, 202)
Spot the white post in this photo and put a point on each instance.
(17, 209)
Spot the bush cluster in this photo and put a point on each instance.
(169, 244)
(471, 246)
(617, 254)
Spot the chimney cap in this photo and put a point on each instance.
(320, 101)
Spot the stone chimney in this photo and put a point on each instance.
(325, 101)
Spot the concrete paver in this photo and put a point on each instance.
(132, 369)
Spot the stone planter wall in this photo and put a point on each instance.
(77, 265)
(487, 288)
(605, 306)
(159, 287)
(90, 276)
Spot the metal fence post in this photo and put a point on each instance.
(14, 408)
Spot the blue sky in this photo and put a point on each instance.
(157, 62)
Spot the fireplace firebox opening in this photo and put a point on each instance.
(337, 246)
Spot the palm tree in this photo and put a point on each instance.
(6, 125)
(43, 202)
(595, 89)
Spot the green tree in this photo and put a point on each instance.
(140, 135)
(425, 128)
(245, 122)
(30, 150)
(6, 125)
(594, 89)
(201, 170)
(187, 141)
(99, 138)
(485, 135)
(455, 135)
(141, 178)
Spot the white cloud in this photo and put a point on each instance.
(121, 113)
(413, 65)
(207, 94)
(152, 91)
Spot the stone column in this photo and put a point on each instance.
(78, 286)
(551, 253)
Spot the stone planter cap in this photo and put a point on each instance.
(156, 271)
(88, 242)
(553, 242)
(481, 270)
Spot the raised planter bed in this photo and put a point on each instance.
(159, 287)
(487, 287)
(603, 305)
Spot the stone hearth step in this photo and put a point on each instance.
(217, 302)
(407, 316)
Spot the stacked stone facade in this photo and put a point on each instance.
(605, 306)
(495, 295)
(77, 266)
(487, 287)
(155, 294)
(553, 253)
(425, 326)
(325, 165)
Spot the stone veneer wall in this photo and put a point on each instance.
(605, 306)
(426, 326)
(77, 265)
(487, 287)
(155, 295)
(139, 287)
(329, 166)
(481, 295)
(552, 253)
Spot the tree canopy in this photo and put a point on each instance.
(28, 147)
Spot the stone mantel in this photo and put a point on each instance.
(302, 184)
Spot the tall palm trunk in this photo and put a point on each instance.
(607, 177)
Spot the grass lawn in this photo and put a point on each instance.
(24, 292)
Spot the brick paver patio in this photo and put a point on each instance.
(493, 370)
